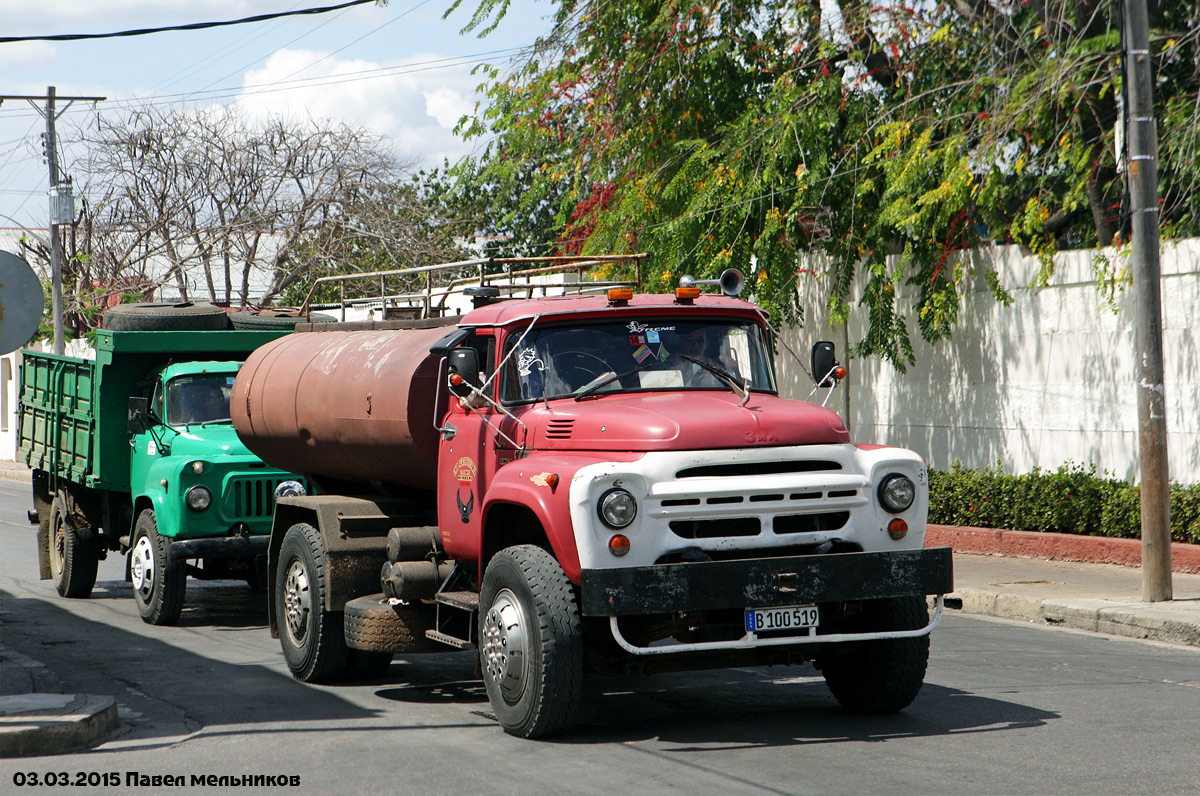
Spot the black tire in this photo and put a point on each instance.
(74, 552)
(373, 625)
(159, 585)
(251, 319)
(311, 637)
(881, 676)
(527, 605)
(157, 317)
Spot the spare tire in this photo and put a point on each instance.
(161, 317)
(373, 624)
(276, 319)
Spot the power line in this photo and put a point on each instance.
(335, 52)
(192, 26)
(298, 84)
(234, 44)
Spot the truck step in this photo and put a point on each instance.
(463, 600)
(444, 638)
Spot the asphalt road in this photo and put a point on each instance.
(1007, 708)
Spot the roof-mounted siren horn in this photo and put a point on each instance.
(731, 281)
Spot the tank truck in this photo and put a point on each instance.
(603, 481)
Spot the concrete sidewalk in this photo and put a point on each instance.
(38, 718)
(1103, 598)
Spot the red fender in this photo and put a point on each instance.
(541, 482)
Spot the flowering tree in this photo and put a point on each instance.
(724, 133)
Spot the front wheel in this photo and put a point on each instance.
(158, 584)
(881, 676)
(74, 552)
(311, 636)
(531, 647)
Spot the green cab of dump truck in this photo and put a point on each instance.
(135, 452)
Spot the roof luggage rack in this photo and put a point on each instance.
(431, 302)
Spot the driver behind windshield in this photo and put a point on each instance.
(561, 361)
(200, 401)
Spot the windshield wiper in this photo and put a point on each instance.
(606, 379)
(740, 388)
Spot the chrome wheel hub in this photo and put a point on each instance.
(141, 567)
(297, 602)
(505, 644)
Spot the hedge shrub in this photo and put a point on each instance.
(1071, 499)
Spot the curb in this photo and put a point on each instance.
(1152, 622)
(45, 724)
(15, 471)
(1055, 546)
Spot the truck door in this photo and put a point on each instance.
(467, 460)
(148, 444)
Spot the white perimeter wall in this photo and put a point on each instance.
(1046, 380)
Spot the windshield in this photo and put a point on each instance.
(664, 354)
(197, 399)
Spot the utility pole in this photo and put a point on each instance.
(1142, 138)
(57, 205)
(55, 208)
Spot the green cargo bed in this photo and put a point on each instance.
(73, 420)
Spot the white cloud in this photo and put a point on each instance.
(27, 53)
(413, 105)
(447, 105)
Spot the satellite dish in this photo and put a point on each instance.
(22, 302)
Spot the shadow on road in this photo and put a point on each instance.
(214, 603)
(752, 709)
(162, 678)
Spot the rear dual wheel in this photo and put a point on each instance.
(74, 552)
(311, 636)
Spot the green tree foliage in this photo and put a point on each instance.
(728, 133)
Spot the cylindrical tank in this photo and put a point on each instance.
(354, 406)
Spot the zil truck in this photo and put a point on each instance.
(604, 481)
(134, 452)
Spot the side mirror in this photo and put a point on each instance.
(462, 364)
(824, 360)
(139, 415)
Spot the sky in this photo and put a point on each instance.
(400, 70)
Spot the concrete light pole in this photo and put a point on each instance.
(1142, 138)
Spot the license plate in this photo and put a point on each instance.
(783, 617)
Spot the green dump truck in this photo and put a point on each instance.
(134, 452)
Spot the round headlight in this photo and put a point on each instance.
(897, 492)
(198, 498)
(289, 489)
(617, 508)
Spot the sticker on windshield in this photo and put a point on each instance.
(637, 339)
(641, 353)
(526, 360)
(652, 336)
(635, 327)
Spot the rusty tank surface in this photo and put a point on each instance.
(348, 405)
